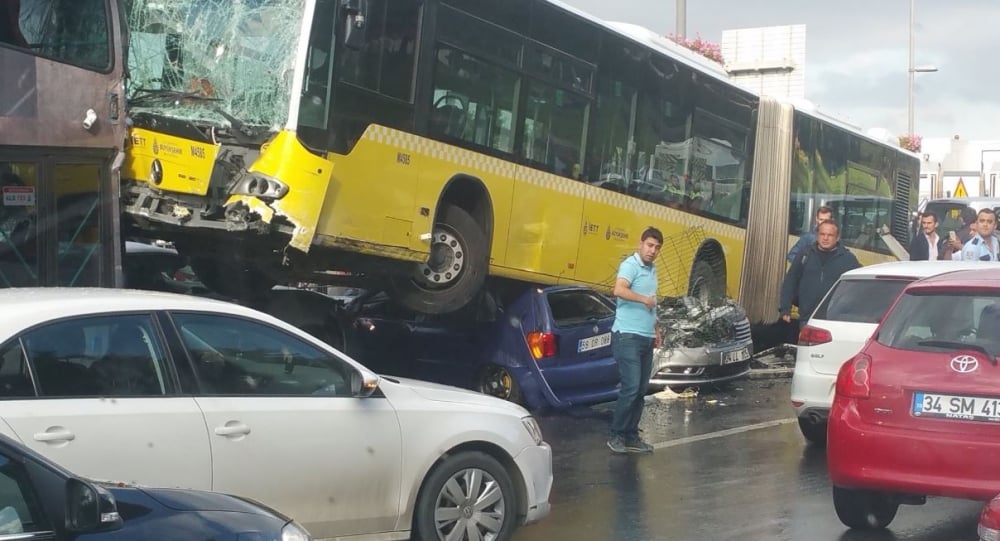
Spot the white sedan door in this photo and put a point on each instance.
(285, 428)
(105, 408)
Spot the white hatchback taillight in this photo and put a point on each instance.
(814, 336)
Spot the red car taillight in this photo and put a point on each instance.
(854, 376)
(814, 336)
(989, 521)
(542, 344)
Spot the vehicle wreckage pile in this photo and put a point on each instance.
(692, 322)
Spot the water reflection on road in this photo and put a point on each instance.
(730, 465)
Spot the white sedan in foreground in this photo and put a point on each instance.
(171, 390)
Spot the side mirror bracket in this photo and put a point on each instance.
(355, 23)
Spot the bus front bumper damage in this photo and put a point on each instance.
(256, 199)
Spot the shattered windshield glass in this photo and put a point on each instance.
(221, 62)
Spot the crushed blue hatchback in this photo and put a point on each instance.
(544, 347)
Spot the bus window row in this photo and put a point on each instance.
(851, 175)
(652, 128)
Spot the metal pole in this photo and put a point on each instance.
(681, 19)
(909, 73)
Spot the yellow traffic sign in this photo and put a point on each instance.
(960, 189)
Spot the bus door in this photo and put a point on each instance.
(57, 221)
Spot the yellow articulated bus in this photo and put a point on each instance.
(425, 146)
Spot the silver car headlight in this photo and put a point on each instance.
(535, 431)
(293, 532)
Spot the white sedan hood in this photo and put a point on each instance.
(446, 393)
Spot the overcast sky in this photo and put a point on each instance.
(856, 54)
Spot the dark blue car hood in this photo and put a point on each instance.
(197, 500)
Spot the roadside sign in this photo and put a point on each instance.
(960, 189)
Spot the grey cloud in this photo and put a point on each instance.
(957, 36)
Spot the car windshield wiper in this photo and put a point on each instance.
(959, 345)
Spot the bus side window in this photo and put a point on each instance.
(74, 32)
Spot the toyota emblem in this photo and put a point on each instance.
(963, 364)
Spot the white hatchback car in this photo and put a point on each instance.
(841, 325)
(174, 390)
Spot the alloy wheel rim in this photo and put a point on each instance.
(497, 382)
(469, 507)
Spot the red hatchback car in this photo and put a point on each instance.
(917, 410)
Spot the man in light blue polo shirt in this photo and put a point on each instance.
(632, 340)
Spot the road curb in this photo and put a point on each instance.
(771, 373)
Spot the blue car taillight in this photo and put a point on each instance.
(542, 344)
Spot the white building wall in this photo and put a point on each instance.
(768, 60)
(946, 160)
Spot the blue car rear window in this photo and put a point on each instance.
(570, 308)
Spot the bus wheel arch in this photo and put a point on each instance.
(470, 194)
(708, 273)
(458, 263)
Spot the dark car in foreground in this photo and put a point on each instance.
(41, 500)
(160, 268)
(916, 412)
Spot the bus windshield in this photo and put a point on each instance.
(223, 63)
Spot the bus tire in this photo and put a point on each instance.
(706, 284)
(456, 268)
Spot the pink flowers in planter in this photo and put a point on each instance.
(705, 48)
(910, 142)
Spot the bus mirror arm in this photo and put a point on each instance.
(355, 30)
(897, 249)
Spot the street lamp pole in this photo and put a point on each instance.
(910, 71)
(681, 19)
(909, 108)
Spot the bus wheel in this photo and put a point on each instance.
(706, 285)
(454, 271)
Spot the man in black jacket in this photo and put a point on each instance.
(814, 272)
(927, 244)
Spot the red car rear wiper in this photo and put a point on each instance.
(959, 345)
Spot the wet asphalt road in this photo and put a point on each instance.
(729, 465)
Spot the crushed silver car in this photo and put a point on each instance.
(701, 344)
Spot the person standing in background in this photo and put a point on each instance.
(814, 272)
(823, 214)
(927, 245)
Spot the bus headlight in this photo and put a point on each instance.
(260, 186)
(156, 172)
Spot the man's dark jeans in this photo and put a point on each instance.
(634, 355)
